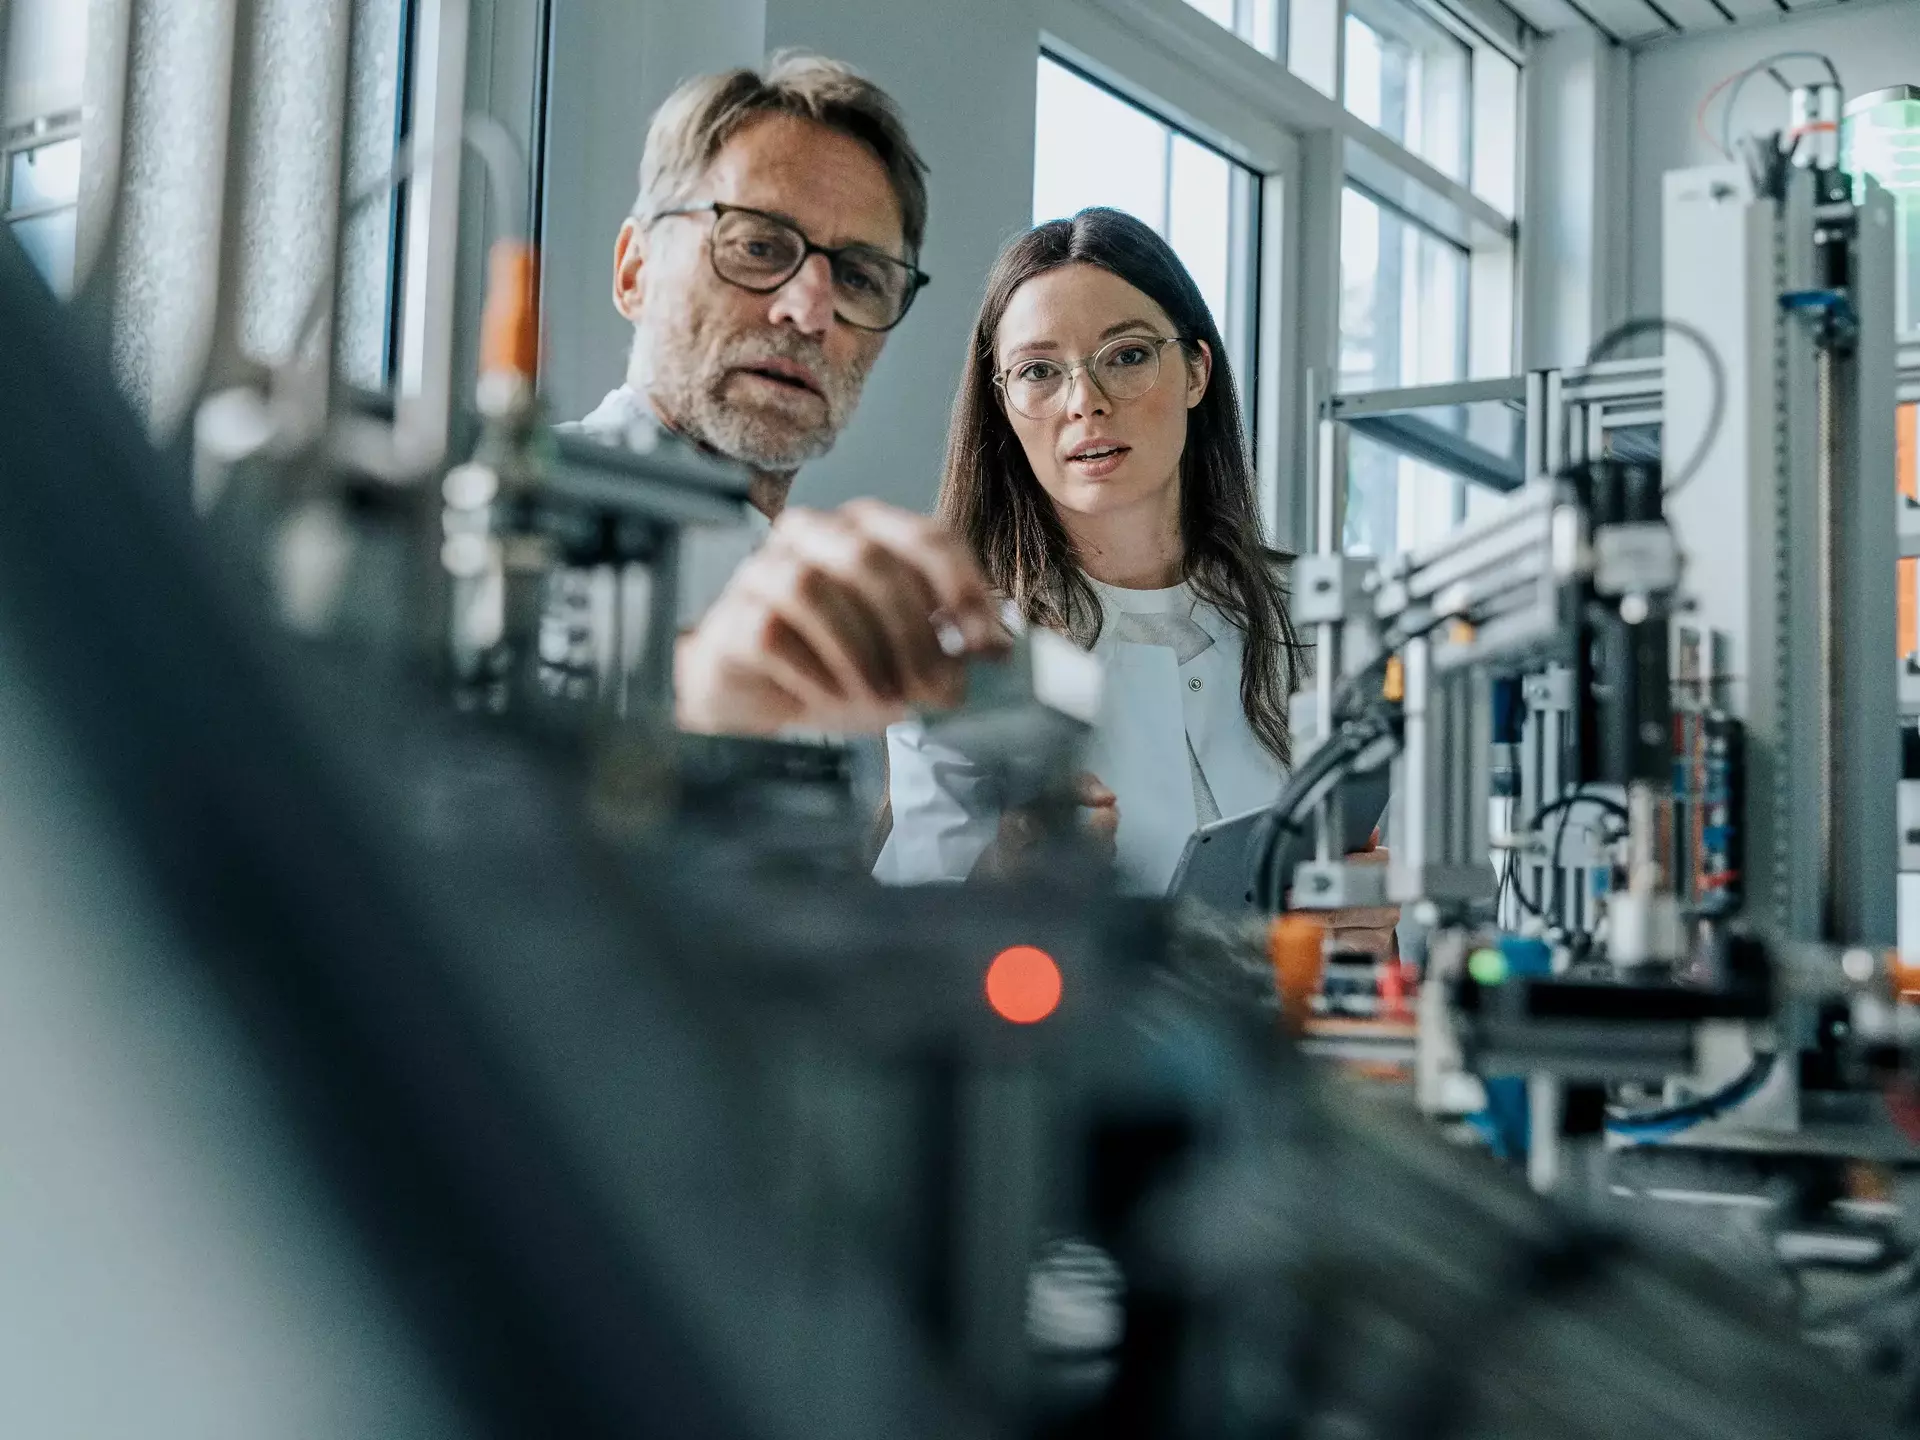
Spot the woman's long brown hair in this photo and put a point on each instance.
(989, 496)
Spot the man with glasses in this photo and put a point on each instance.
(770, 252)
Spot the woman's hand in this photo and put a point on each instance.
(1020, 829)
(1365, 929)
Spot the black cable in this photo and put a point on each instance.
(1716, 368)
(1520, 890)
(1763, 67)
(1328, 763)
(1536, 907)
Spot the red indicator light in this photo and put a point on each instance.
(1023, 985)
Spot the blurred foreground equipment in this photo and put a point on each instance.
(380, 1058)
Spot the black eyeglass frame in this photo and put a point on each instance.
(917, 279)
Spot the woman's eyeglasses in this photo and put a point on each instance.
(1122, 369)
(761, 252)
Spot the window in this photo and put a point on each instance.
(167, 188)
(1260, 23)
(1202, 202)
(1408, 77)
(45, 50)
(39, 198)
(1403, 321)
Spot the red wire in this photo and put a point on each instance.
(1700, 115)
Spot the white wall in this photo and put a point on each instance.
(1874, 45)
(1572, 281)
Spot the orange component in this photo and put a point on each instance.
(1395, 686)
(1904, 978)
(1023, 985)
(510, 324)
(1296, 946)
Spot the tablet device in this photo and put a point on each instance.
(1216, 868)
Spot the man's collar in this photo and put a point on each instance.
(629, 407)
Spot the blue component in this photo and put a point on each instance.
(1504, 1121)
(1525, 955)
(1509, 711)
(1835, 304)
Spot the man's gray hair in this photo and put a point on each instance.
(700, 117)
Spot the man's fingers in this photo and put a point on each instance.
(894, 592)
(746, 692)
(833, 621)
(957, 584)
(1364, 917)
(1364, 940)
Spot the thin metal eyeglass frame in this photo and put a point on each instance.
(917, 279)
(1066, 385)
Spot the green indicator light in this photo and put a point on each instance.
(1488, 967)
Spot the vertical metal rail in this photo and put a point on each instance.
(423, 389)
(1827, 438)
(1329, 523)
(1781, 800)
(1534, 431)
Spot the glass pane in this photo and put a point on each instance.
(1093, 148)
(48, 241)
(1313, 43)
(1402, 300)
(1409, 78)
(1403, 321)
(1396, 504)
(1200, 205)
(1255, 21)
(1496, 129)
(47, 175)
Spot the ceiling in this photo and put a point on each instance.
(1632, 21)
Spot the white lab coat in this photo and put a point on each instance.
(944, 814)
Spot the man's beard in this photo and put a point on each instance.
(688, 373)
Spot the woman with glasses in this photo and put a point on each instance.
(1098, 469)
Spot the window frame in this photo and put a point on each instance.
(1305, 146)
(1399, 20)
(23, 139)
(1463, 347)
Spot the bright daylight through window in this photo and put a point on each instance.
(1202, 202)
(1403, 321)
(1258, 22)
(45, 44)
(1408, 77)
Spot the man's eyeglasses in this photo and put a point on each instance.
(761, 252)
(1122, 369)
